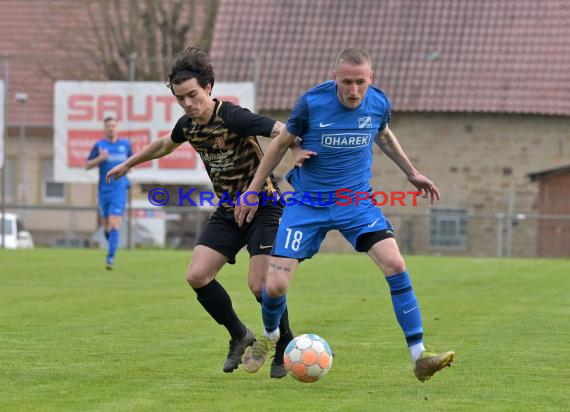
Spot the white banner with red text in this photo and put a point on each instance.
(144, 111)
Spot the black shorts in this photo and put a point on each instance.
(367, 240)
(224, 235)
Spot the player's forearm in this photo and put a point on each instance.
(158, 148)
(93, 162)
(397, 155)
(392, 148)
(271, 159)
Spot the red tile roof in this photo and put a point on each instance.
(429, 55)
(41, 38)
(556, 171)
(25, 36)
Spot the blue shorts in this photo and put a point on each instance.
(112, 204)
(303, 227)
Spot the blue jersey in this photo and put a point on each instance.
(341, 137)
(118, 152)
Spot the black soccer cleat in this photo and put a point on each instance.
(236, 349)
(278, 370)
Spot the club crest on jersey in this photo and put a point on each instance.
(346, 140)
(365, 122)
(220, 142)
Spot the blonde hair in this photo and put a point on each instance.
(354, 57)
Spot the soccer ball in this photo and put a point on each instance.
(308, 358)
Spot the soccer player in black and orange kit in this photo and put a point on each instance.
(224, 135)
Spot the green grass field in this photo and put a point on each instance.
(76, 337)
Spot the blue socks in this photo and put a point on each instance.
(404, 301)
(271, 310)
(113, 243)
(406, 307)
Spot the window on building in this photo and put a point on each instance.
(51, 191)
(9, 176)
(448, 228)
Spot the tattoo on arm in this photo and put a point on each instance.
(382, 138)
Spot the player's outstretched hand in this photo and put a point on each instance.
(300, 155)
(118, 171)
(246, 208)
(426, 186)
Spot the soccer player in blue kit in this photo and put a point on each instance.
(106, 154)
(337, 122)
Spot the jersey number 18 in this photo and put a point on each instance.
(296, 242)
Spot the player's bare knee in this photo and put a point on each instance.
(276, 289)
(255, 287)
(114, 222)
(256, 280)
(278, 278)
(277, 284)
(393, 264)
(198, 278)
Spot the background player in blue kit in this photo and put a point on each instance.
(338, 121)
(106, 154)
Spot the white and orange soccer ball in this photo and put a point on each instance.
(308, 358)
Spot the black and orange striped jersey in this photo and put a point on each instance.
(228, 147)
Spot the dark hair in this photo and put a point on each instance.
(108, 119)
(189, 64)
(354, 57)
